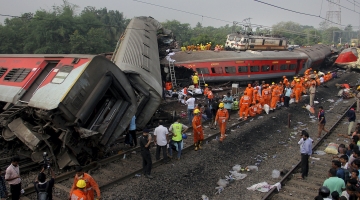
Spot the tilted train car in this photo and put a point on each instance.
(251, 65)
(347, 58)
(73, 106)
(138, 56)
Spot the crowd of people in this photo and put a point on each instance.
(84, 186)
(344, 174)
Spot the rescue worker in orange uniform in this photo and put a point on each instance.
(266, 95)
(222, 115)
(80, 192)
(91, 185)
(253, 110)
(298, 89)
(250, 91)
(259, 107)
(275, 97)
(210, 96)
(256, 97)
(244, 106)
(197, 129)
(206, 90)
(308, 71)
(285, 80)
(293, 82)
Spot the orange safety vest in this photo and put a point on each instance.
(206, 90)
(266, 93)
(244, 101)
(168, 86)
(196, 123)
(222, 115)
(210, 95)
(78, 195)
(91, 185)
(249, 91)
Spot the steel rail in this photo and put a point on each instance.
(287, 177)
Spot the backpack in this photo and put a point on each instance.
(42, 193)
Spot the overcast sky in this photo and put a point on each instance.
(227, 10)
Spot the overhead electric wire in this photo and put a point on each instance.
(353, 3)
(343, 7)
(312, 15)
(222, 20)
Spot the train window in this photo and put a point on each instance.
(61, 75)
(265, 68)
(283, 67)
(217, 70)
(202, 70)
(242, 69)
(252, 40)
(254, 68)
(230, 70)
(2, 71)
(293, 66)
(17, 74)
(274, 67)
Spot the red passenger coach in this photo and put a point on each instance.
(241, 66)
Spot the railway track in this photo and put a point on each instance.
(293, 188)
(113, 170)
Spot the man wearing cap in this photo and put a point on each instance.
(79, 193)
(177, 129)
(145, 141)
(222, 116)
(90, 187)
(206, 89)
(312, 91)
(197, 130)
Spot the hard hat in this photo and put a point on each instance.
(196, 111)
(273, 83)
(314, 71)
(306, 79)
(297, 80)
(184, 136)
(81, 184)
(221, 105)
(358, 88)
(206, 85)
(329, 72)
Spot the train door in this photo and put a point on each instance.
(280, 43)
(38, 81)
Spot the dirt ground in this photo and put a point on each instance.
(265, 140)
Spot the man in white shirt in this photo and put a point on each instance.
(191, 105)
(161, 139)
(12, 176)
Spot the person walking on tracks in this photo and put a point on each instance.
(351, 117)
(222, 116)
(161, 139)
(228, 101)
(177, 129)
(145, 141)
(90, 187)
(322, 121)
(306, 151)
(44, 188)
(79, 193)
(12, 176)
(197, 130)
(244, 106)
(287, 94)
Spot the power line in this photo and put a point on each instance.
(342, 6)
(353, 3)
(222, 20)
(307, 14)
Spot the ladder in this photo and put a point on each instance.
(172, 73)
(201, 79)
(12, 111)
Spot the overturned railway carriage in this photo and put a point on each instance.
(138, 56)
(251, 65)
(71, 106)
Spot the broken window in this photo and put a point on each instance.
(265, 68)
(217, 70)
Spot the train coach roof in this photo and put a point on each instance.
(47, 56)
(211, 56)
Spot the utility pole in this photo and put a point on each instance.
(334, 13)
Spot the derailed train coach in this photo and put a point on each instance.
(75, 106)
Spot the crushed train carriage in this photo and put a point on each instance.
(75, 106)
